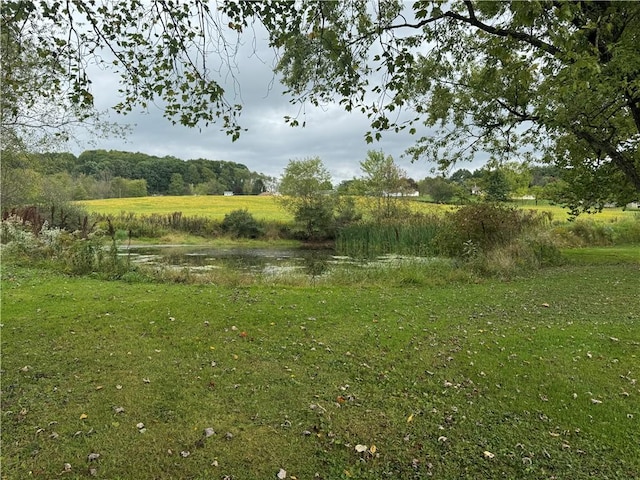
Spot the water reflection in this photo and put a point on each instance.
(266, 261)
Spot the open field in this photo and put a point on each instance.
(529, 379)
(268, 208)
(212, 206)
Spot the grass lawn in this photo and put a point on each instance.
(529, 379)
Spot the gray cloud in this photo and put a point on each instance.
(332, 134)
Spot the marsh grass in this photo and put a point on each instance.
(413, 236)
(464, 380)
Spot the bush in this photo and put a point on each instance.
(485, 226)
(240, 223)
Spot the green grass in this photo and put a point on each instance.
(603, 255)
(433, 377)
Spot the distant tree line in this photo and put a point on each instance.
(55, 177)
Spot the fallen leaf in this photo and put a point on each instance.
(596, 401)
(99, 387)
(208, 432)
(361, 448)
(140, 426)
(546, 305)
(118, 409)
(185, 453)
(67, 467)
(372, 449)
(146, 380)
(83, 416)
(93, 456)
(410, 418)
(488, 454)
(282, 473)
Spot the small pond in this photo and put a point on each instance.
(264, 261)
(274, 261)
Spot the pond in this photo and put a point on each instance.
(267, 261)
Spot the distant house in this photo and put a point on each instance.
(228, 193)
(414, 193)
(475, 190)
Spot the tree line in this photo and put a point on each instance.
(54, 177)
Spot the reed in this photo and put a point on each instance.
(412, 237)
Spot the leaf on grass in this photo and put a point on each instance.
(118, 409)
(208, 432)
(67, 467)
(93, 456)
(185, 453)
(282, 473)
(595, 401)
(372, 449)
(488, 454)
(146, 380)
(83, 416)
(361, 448)
(410, 418)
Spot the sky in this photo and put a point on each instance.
(334, 135)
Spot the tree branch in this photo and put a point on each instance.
(473, 21)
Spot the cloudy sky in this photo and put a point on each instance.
(332, 134)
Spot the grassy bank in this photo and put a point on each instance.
(534, 378)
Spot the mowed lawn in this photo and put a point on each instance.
(269, 208)
(536, 378)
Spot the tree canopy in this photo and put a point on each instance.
(559, 81)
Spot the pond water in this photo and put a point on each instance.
(266, 261)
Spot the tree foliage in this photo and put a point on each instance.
(384, 183)
(306, 187)
(556, 79)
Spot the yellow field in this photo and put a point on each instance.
(268, 208)
(212, 206)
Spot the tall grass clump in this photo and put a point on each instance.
(78, 252)
(494, 239)
(413, 236)
(590, 232)
(236, 224)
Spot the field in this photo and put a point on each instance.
(268, 208)
(530, 379)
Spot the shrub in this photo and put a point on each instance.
(240, 223)
(486, 226)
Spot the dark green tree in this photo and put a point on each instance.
(176, 185)
(496, 185)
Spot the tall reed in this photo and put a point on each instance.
(414, 236)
